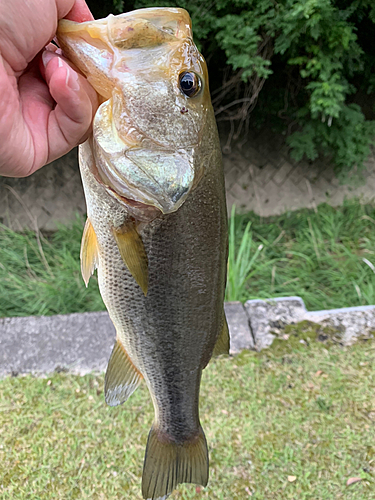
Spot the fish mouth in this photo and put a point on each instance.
(147, 174)
(93, 46)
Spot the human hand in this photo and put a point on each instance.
(46, 107)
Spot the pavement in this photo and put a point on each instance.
(82, 343)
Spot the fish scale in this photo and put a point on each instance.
(161, 266)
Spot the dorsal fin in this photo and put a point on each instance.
(89, 252)
(133, 253)
(121, 378)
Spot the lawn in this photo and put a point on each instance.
(280, 424)
(326, 257)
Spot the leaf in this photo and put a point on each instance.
(353, 480)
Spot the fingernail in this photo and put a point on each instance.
(47, 55)
(72, 79)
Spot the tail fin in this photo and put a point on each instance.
(168, 464)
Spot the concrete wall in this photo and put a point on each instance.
(260, 176)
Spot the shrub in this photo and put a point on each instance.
(299, 66)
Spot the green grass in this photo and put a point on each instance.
(41, 276)
(326, 257)
(242, 258)
(307, 411)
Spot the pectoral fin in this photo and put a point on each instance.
(222, 343)
(122, 377)
(133, 253)
(89, 252)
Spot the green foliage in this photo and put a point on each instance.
(346, 139)
(242, 259)
(118, 6)
(240, 36)
(310, 57)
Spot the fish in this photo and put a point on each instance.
(156, 228)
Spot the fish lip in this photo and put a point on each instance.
(68, 26)
(172, 22)
(161, 17)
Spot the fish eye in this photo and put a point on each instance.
(190, 83)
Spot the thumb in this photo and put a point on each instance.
(69, 123)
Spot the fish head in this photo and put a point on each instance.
(153, 84)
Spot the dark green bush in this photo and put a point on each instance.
(305, 68)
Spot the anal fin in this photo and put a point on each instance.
(168, 464)
(222, 343)
(122, 377)
(133, 253)
(89, 252)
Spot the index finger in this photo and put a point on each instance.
(80, 12)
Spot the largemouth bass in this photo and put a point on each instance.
(157, 225)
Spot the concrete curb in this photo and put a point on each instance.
(268, 319)
(81, 343)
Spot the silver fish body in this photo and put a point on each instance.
(157, 228)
